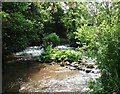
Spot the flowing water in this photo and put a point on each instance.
(31, 76)
(44, 78)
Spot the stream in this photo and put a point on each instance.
(31, 76)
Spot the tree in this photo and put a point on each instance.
(16, 28)
(75, 17)
(109, 53)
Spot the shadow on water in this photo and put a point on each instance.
(16, 73)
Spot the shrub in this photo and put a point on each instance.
(45, 57)
(86, 37)
(72, 40)
(109, 53)
(109, 63)
(59, 55)
(51, 39)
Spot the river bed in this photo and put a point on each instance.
(45, 78)
(27, 75)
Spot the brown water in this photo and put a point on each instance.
(36, 77)
(15, 74)
(52, 71)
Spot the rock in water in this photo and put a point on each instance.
(67, 63)
(88, 70)
(83, 69)
(61, 64)
(95, 71)
(72, 68)
(90, 66)
(79, 61)
(66, 66)
(75, 65)
(53, 63)
(79, 68)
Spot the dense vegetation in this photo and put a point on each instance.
(92, 27)
(59, 55)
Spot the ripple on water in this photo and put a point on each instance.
(65, 80)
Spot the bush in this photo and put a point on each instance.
(67, 55)
(109, 63)
(95, 85)
(59, 55)
(103, 38)
(86, 37)
(14, 34)
(45, 57)
(72, 40)
(51, 39)
(108, 56)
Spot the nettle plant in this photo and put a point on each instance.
(59, 55)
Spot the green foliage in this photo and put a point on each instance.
(94, 30)
(45, 57)
(59, 55)
(39, 15)
(11, 7)
(72, 40)
(102, 39)
(62, 55)
(109, 62)
(16, 31)
(23, 24)
(94, 85)
(51, 39)
(75, 17)
(4, 14)
(87, 38)
(108, 50)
